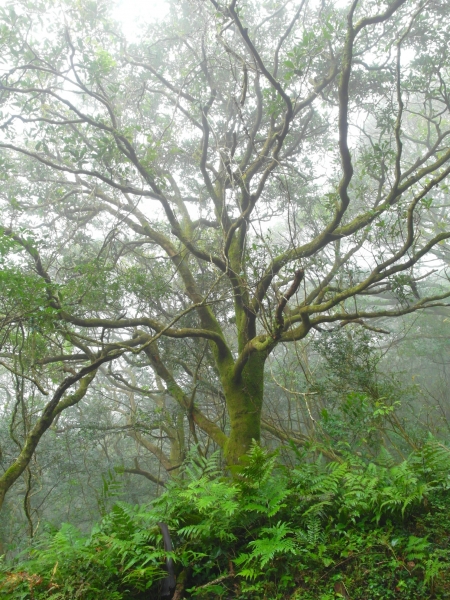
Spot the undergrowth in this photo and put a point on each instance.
(318, 531)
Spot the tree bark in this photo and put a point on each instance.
(244, 401)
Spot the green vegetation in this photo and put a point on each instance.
(224, 299)
(318, 530)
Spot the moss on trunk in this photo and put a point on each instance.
(244, 401)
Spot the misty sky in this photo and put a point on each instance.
(133, 12)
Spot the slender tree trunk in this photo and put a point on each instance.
(49, 414)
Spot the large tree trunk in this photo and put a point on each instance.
(244, 402)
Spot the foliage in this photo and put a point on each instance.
(177, 206)
(116, 560)
(366, 406)
(270, 532)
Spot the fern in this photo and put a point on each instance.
(432, 462)
(197, 466)
(257, 469)
(312, 534)
(272, 541)
(311, 516)
(111, 488)
(385, 458)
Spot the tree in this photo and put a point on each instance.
(240, 177)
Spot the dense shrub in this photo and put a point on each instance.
(319, 530)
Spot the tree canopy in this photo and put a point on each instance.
(176, 207)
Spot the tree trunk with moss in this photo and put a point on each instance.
(244, 400)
